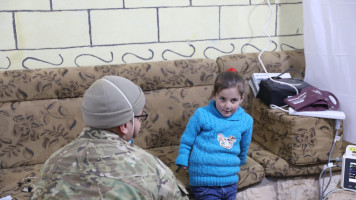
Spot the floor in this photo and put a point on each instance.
(296, 188)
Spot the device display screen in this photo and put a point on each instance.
(350, 174)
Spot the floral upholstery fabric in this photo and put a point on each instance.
(250, 173)
(40, 111)
(59, 83)
(168, 112)
(14, 181)
(32, 130)
(299, 140)
(276, 166)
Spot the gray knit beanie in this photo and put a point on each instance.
(111, 101)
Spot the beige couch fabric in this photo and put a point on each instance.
(250, 173)
(276, 166)
(40, 112)
(13, 181)
(299, 140)
(33, 130)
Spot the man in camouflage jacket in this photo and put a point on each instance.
(102, 163)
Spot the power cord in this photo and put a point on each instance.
(323, 172)
(269, 43)
(279, 107)
(337, 123)
(330, 165)
(263, 50)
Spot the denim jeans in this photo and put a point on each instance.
(214, 192)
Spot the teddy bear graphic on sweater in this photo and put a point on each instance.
(226, 142)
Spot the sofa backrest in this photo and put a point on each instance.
(40, 109)
(247, 64)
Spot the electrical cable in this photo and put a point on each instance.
(321, 187)
(279, 107)
(269, 43)
(337, 138)
(337, 124)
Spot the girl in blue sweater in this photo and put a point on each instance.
(216, 140)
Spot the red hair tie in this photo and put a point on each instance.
(232, 70)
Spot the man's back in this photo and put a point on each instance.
(101, 165)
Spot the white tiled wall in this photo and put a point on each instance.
(86, 4)
(220, 2)
(198, 23)
(6, 32)
(51, 29)
(123, 26)
(155, 3)
(246, 21)
(66, 33)
(289, 22)
(18, 5)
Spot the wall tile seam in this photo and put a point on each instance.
(14, 29)
(163, 42)
(219, 37)
(51, 4)
(158, 27)
(278, 3)
(155, 41)
(153, 7)
(90, 27)
(276, 20)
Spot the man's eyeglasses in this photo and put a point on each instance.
(142, 117)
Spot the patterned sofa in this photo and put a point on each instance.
(285, 145)
(40, 113)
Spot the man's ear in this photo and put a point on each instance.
(124, 129)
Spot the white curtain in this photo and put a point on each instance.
(330, 53)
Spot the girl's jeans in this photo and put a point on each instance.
(215, 192)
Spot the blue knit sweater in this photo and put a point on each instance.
(215, 146)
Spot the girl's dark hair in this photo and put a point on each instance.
(229, 79)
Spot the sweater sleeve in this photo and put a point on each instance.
(246, 140)
(187, 139)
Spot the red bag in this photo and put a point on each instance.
(313, 99)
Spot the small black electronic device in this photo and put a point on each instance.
(348, 171)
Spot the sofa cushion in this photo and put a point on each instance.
(58, 83)
(276, 166)
(40, 110)
(168, 112)
(32, 130)
(10, 179)
(250, 173)
(299, 140)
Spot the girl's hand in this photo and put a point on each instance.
(181, 166)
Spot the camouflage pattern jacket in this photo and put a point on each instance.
(101, 165)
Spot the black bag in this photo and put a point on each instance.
(272, 92)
